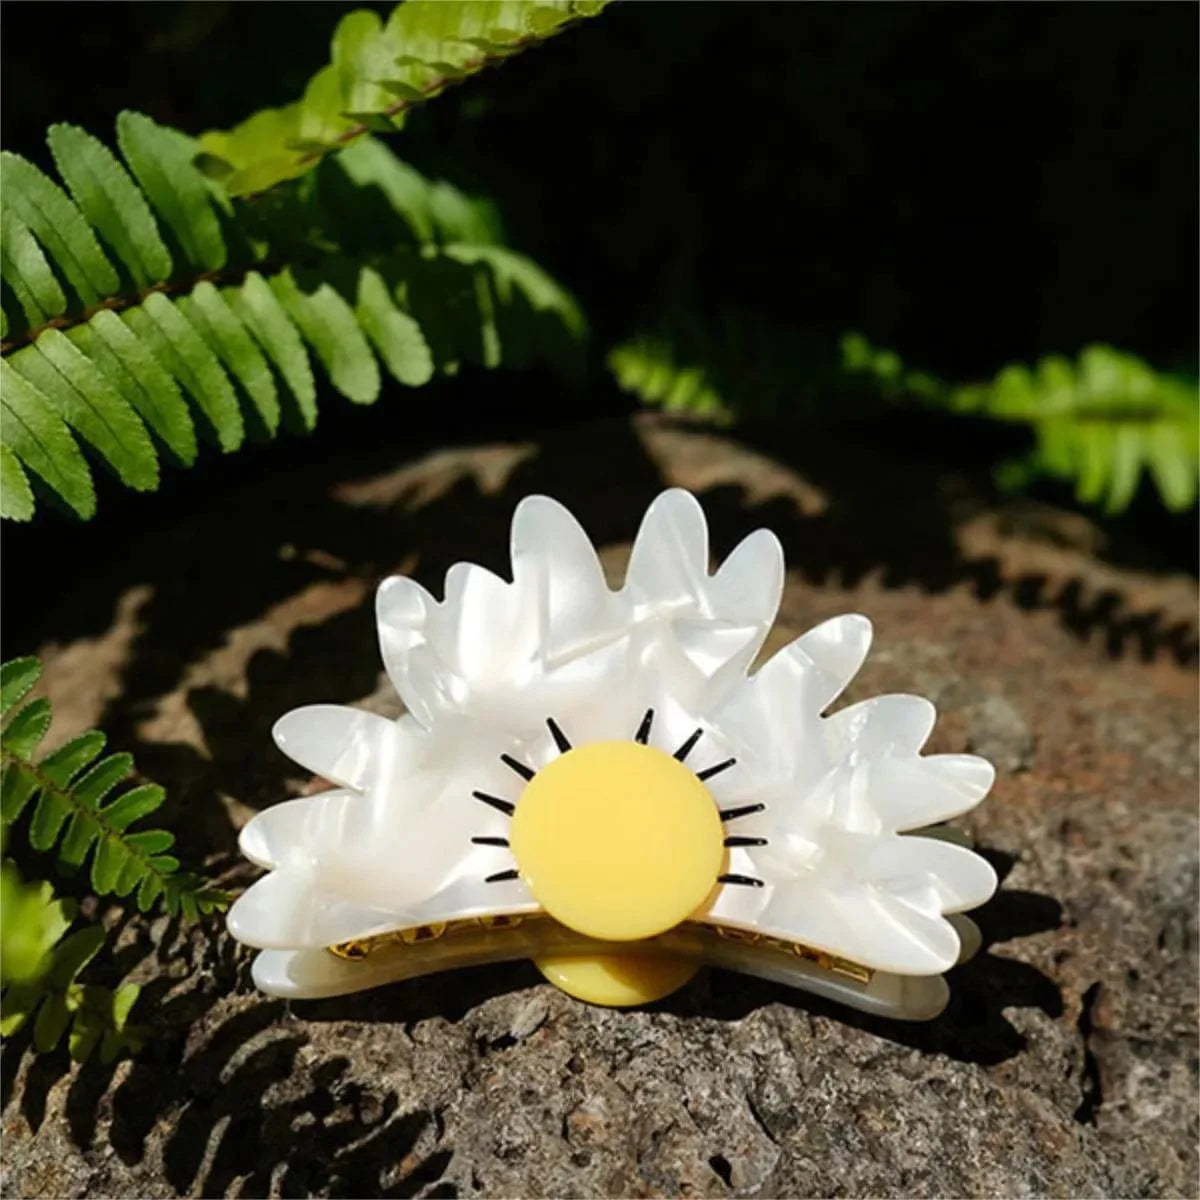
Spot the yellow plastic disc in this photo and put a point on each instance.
(618, 980)
(618, 840)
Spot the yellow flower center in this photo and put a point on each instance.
(618, 840)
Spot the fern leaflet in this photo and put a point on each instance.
(1101, 422)
(68, 790)
(378, 71)
(147, 313)
(40, 964)
(1098, 422)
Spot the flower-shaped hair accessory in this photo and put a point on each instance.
(593, 779)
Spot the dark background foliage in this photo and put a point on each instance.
(971, 184)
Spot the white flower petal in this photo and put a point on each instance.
(925, 943)
(960, 878)
(879, 901)
(669, 562)
(318, 974)
(402, 610)
(830, 655)
(862, 924)
(749, 584)
(907, 794)
(347, 746)
(556, 569)
(281, 833)
(473, 897)
(285, 909)
(881, 727)
(485, 635)
(711, 645)
(774, 715)
(308, 974)
(427, 687)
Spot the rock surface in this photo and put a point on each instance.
(1066, 1064)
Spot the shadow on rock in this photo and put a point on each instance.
(242, 1115)
(973, 1028)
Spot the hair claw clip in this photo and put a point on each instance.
(593, 780)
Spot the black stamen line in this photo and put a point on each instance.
(643, 733)
(501, 876)
(731, 842)
(500, 805)
(686, 748)
(560, 738)
(520, 768)
(747, 880)
(496, 841)
(709, 772)
(732, 814)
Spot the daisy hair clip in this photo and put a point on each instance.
(595, 780)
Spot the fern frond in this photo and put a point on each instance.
(72, 814)
(741, 364)
(378, 71)
(146, 312)
(1098, 422)
(32, 922)
(40, 964)
(647, 366)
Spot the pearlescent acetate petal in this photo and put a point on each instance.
(882, 726)
(908, 794)
(416, 832)
(286, 909)
(280, 833)
(344, 745)
(668, 566)
(558, 575)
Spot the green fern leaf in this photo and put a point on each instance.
(525, 296)
(179, 347)
(138, 375)
(113, 203)
(369, 164)
(1172, 464)
(1126, 465)
(27, 272)
(45, 988)
(516, 275)
(27, 727)
(261, 313)
(32, 921)
(458, 217)
(364, 262)
(1097, 422)
(41, 441)
(394, 334)
(161, 159)
(327, 323)
(647, 366)
(84, 397)
(59, 226)
(16, 497)
(379, 70)
(363, 52)
(68, 789)
(18, 677)
(212, 317)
